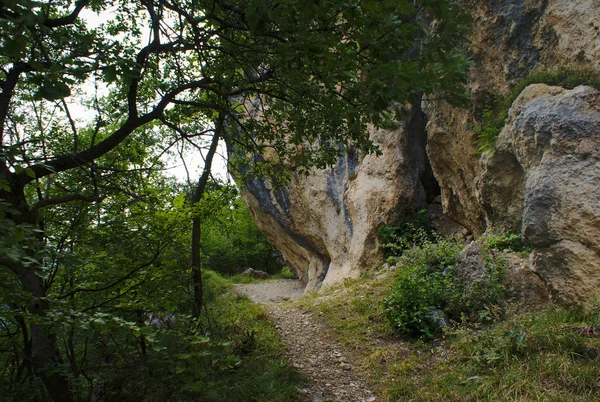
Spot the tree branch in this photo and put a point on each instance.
(123, 278)
(68, 19)
(69, 161)
(66, 198)
(199, 190)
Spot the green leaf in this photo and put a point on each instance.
(14, 47)
(37, 66)
(4, 185)
(19, 234)
(53, 91)
(110, 74)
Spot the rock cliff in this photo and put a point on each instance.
(325, 224)
(543, 178)
(509, 40)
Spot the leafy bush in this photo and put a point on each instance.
(422, 285)
(494, 116)
(509, 241)
(285, 273)
(425, 288)
(413, 232)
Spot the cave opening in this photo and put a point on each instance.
(425, 184)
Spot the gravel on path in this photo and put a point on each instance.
(311, 346)
(271, 291)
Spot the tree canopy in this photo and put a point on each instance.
(93, 92)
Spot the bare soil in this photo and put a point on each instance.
(310, 345)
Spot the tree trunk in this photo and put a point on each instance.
(197, 223)
(44, 354)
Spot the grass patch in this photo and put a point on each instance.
(543, 355)
(263, 375)
(284, 273)
(350, 309)
(494, 116)
(551, 354)
(214, 285)
(239, 278)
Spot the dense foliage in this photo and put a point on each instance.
(426, 290)
(231, 241)
(413, 232)
(118, 301)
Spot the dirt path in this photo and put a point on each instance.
(310, 345)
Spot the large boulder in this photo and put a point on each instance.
(542, 178)
(549, 155)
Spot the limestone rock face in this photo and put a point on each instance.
(542, 180)
(509, 40)
(325, 224)
(549, 154)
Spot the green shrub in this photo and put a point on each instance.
(488, 130)
(425, 286)
(416, 296)
(285, 273)
(509, 241)
(413, 232)
(494, 116)
(422, 285)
